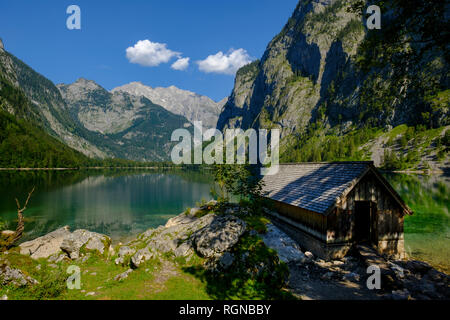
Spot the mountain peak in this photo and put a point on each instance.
(85, 81)
(86, 84)
(193, 106)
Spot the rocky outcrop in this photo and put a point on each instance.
(325, 73)
(209, 235)
(14, 277)
(141, 256)
(185, 103)
(89, 241)
(288, 250)
(44, 105)
(218, 237)
(61, 243)
(130, 127)
(44, 247)
(287, 85)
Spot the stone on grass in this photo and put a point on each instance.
(219, 236)
(123, 275)
(87, 239)
(15, 277)
(123, 253)
(45, 246)
(286, 248)
(140, 257)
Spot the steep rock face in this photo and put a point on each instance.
(46, 107)
(98, 110)
(285, 88)
(127, 126)
(188, 104)
(329, 83)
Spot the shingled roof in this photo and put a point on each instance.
(317, 186)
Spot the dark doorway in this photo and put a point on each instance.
(363, 218)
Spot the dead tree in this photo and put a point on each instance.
(20, 223)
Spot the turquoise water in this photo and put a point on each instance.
(427, 231)
(122, 203)
(117, 203)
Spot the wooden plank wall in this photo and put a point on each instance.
(309, 219)
(388, 219)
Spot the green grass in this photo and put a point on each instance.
(97, 275)
(164, 278)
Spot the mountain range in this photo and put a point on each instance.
(124, 123)
(337, 91)
(190, 105)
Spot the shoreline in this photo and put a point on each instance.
(82, 168)
(184, 242)
(420, 172)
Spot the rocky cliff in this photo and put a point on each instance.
(286, 86)
(326, 81)
(188, 104)
(44, 104)
(127, 126)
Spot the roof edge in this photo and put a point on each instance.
(384, 182)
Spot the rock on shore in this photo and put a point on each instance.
(62, 242)
(201, 232)
(210, 236)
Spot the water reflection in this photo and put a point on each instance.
(117, 204)
(427, 232)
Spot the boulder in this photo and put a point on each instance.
(140, 257)
(123, 253)
(15, 277)
(87, 239)
(219, 236)
(183, 250)
(45, 246)
(182, 219)
(123, 275)
(286, 248)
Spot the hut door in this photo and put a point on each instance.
(363, 214)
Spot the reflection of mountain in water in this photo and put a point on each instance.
(115, 204)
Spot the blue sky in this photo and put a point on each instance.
(36, 32)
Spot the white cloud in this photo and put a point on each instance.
(225, 63)
(150, 54)
(181, 64)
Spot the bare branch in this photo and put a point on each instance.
(28, 199)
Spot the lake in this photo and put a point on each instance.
(119, 203)
(122, 203)
(427, 231)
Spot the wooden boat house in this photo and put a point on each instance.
(328, 207)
